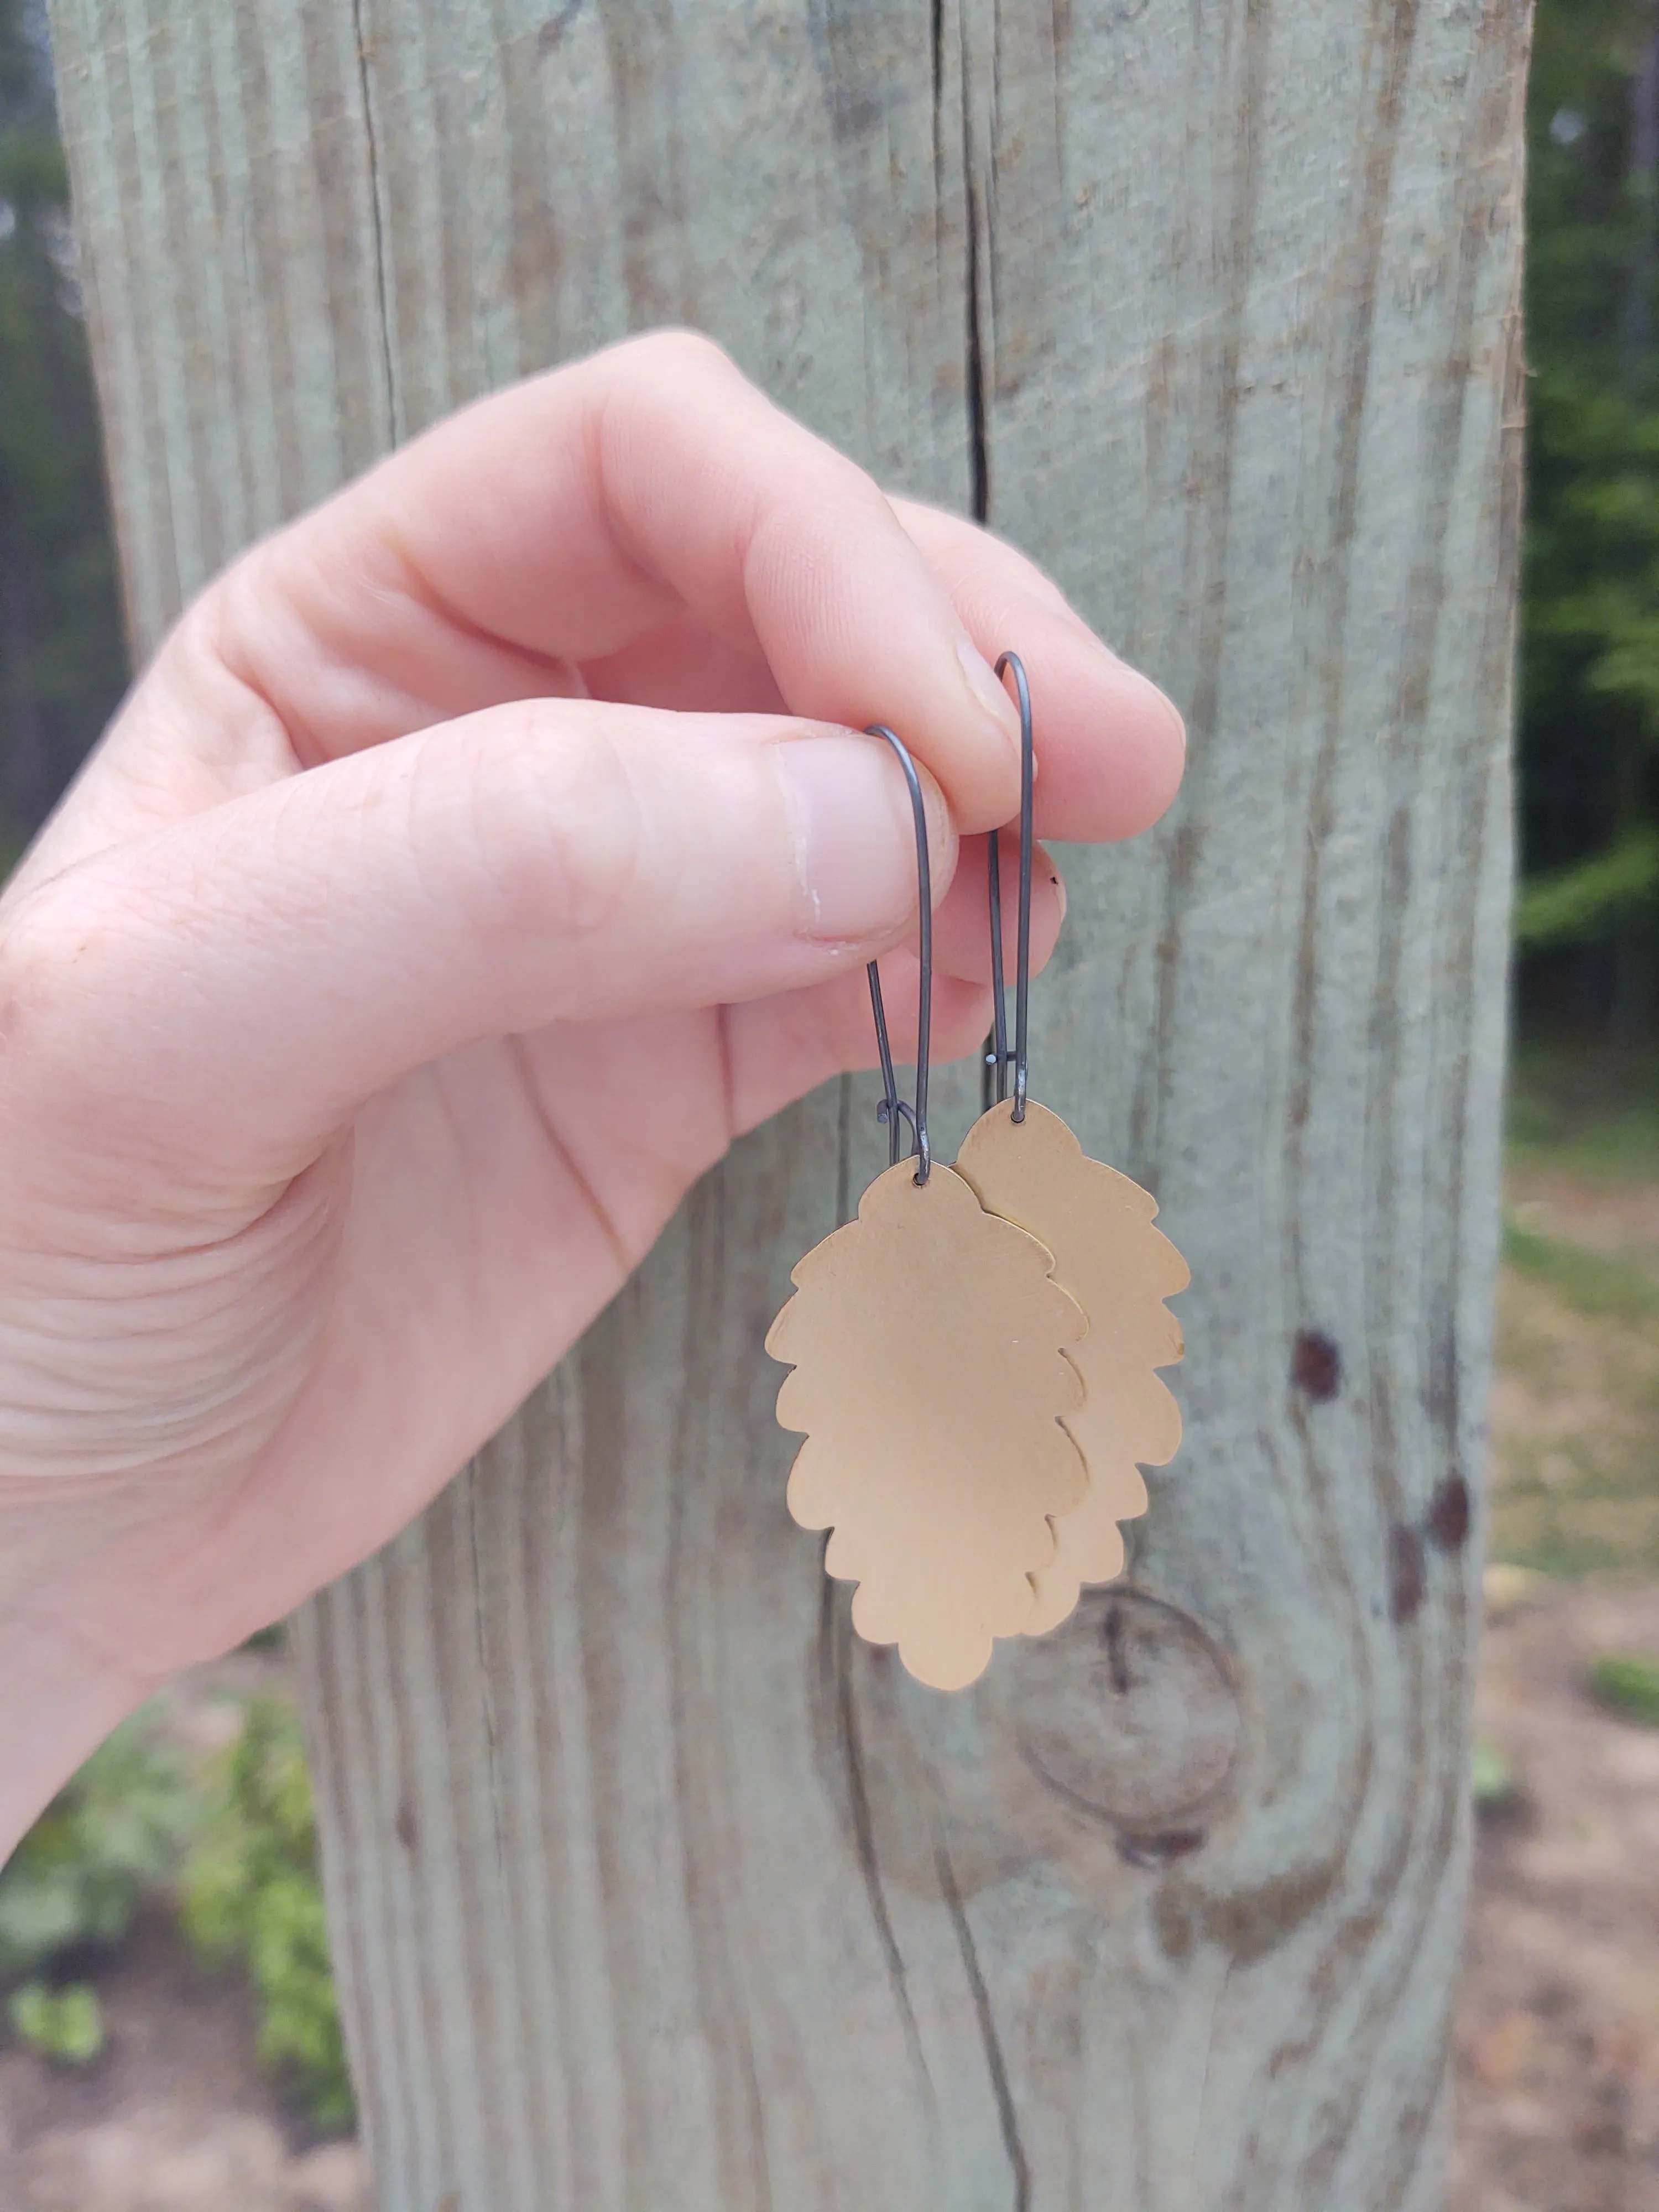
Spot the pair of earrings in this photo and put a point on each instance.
(973, 1357)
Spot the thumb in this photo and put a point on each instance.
(226, 993)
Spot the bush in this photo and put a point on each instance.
(251, 1896)
(239, 1845)
(1630, 1686)
(1493, 1782)
(110, 1833)
(66, 2024)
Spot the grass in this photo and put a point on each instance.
(1589, 1281)
(1492, 1781)
(1584, 1114)
(1575, 1465)
(1629, 1686)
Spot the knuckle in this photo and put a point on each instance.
(685, 351)
(571, 857)
(596, 839)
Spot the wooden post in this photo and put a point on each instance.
(652, 1887)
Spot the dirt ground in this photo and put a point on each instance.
(1558, 2028)
(1557, 2025)
(175, 2116)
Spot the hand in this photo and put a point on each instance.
(478, 857)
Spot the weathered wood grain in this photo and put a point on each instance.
(650, 1885)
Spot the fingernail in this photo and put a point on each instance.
(988, 692)
(853, 835)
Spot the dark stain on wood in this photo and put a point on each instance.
(1317, 1366)
(1249, 1922)
(1158, 1851)
(1406, 1574)
(1450, 1514)
(408, 1828)
(551, 33)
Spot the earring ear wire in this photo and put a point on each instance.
(893, 1109)
(998, 1057)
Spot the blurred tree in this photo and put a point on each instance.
(1589, 734)
(62, 661)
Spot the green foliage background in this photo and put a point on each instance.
(78, 1875)
(1589, 696)
(231, 1848)
(63, 663)
(251, 1898)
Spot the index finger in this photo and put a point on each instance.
(569, 516)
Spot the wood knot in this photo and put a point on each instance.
(1111, 1739)
(1128, 1714)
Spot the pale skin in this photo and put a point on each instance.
(478, 857)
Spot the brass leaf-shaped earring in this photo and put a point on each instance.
(1120, 1269)
(928, 1346)
(928, 1343)
(1026, 1166)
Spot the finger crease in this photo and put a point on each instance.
(621, 1252)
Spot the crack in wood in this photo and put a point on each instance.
(377, 224)
(979, 453)
(1111, 1630)
(835, 1644)
(991, 2042)
(486, 1690)
(979, 444)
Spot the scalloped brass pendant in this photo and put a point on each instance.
(931, 1378)
(1120, 1269)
